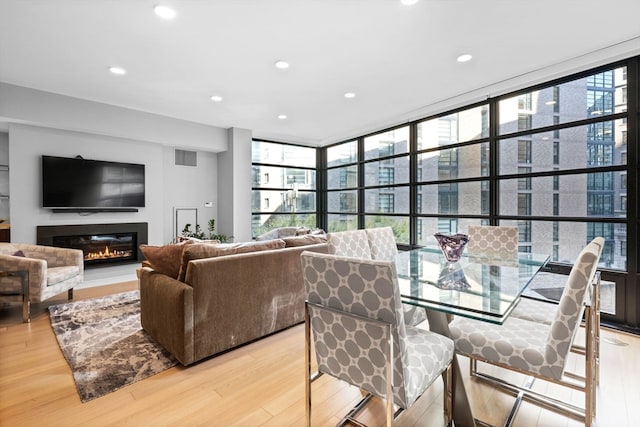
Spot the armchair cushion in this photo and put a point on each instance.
(58, 274)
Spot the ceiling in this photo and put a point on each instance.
(400, 61)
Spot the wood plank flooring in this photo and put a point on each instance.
(261, 384)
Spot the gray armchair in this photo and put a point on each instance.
(36, 273)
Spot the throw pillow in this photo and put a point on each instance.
(278, 233)
(301, 231)
(204, 250)
(304, 240)
(165, 259)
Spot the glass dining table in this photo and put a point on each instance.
(485, 288)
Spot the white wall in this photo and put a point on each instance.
(167, 186)
(45, 123)
(26, 146)
(189, 187)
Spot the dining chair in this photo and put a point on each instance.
(382, 243)
(543, 311)
(492, 240)
(364, 244)
(540, 299)
(537, 349)
(353, 243)
(353, 308)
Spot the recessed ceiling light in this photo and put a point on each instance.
(349, 95)
(282, 116)
(464, 57)
(282, 65)
(118, 70)
(164, 12)
(216, 98)
(550, 103)
(408, 2)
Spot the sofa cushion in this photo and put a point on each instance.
(165, 259)
(308, 239)
(205, 250)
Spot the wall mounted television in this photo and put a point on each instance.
(83, 185)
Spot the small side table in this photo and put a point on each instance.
(26, 304)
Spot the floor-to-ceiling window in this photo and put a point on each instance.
(284, 186)
(559, 160)
(381, 193)
(556, 160)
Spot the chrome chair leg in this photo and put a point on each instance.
(448, 396)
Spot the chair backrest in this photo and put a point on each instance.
(493, 240)
(382, 243)
(352, 243)
(345, 348)
(571, 308)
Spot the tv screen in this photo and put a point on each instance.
(77, 183)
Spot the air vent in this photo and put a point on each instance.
(186, 158)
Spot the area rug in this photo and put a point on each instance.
(105, 345)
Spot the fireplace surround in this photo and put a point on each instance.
(102, 244)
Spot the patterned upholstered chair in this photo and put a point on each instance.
(491, 240)
(48, 271)
(364, 244)
(382, 244)
(353, 243)
(544, 310)
(537, 349)
(353, 308)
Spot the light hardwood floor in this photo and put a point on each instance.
(260, 384)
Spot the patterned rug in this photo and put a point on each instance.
(105, 345)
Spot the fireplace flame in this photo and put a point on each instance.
(107, 254)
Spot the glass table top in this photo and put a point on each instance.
(479, 287)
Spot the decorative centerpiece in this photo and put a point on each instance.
(452, 246)
(452, 277)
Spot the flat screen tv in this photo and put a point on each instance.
(83, 184)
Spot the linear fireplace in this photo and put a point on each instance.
(102, 244)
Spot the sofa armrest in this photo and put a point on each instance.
(166, 313)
